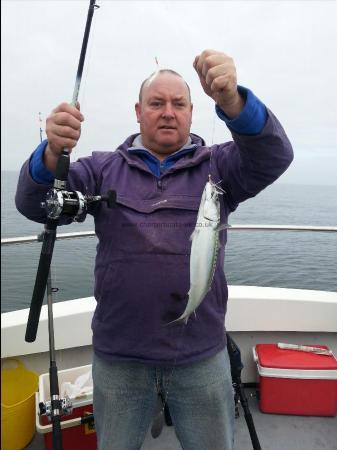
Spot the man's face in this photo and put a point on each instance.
(164, 114)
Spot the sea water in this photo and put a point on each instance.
(262, 258)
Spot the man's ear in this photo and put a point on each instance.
(138, 111)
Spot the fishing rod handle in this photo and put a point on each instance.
(49, 237)
(57, 433)
(252, 431)
(56, 408)
(248, 416)
(53, 380)
(62, 169)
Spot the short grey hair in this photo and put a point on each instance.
(159, 72)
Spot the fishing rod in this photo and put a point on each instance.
(73, 205)
(58, 202)
(40, 122)
(46, 408)
(53, 408)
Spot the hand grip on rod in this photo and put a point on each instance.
(62, 168)
(46, 255)
(55, 407)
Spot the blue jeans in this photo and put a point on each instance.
(200, 399)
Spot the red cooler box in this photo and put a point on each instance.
(296, 382)
(75, 436)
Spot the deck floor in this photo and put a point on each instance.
(275, 432)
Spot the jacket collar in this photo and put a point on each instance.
(189, 156)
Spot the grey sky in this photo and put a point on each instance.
(285, 51)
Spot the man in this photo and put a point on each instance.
(142, 263)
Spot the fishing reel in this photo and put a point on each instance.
(66, 406)
(60, 202)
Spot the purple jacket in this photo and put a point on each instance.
(142, 262)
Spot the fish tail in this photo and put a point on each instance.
(183, 318)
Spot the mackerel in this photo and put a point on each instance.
(205, 248)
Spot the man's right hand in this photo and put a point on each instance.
(63, 129)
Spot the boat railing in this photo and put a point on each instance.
(238, 227)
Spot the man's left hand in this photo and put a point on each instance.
(217, 74)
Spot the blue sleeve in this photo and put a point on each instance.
(37, 169)
(251, 120)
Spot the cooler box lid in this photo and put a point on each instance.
(274, 361)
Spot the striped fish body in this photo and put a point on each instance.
(204, 249)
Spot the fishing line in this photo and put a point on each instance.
(185, 29)
(213, 127)
(211, 153)
(156, 72)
